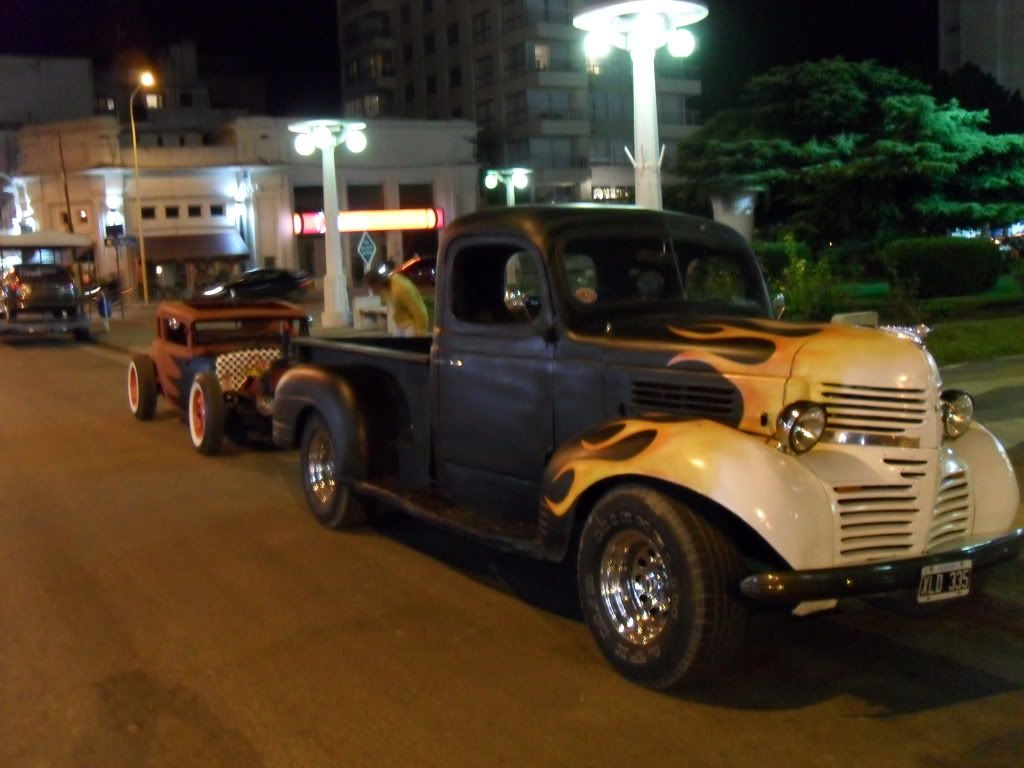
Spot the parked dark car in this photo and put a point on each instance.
(42, 298)
(421, 270)
(261, 284)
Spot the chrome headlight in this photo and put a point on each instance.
(800, 426)
(957, 412)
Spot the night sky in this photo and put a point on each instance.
(294, 44)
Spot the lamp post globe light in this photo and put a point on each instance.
(642, 27)
(325, 135)
(146, 80)
(512, 178)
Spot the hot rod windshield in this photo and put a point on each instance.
(628, 276)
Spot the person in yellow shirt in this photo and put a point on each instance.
(407, 312)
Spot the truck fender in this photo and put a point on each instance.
(994, 483)
(305, 389)
(781, 500)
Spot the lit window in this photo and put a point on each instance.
(154, 101)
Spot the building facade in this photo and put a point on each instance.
(204, 209)
(517, 69)
(988, 33)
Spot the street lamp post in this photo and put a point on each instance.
(642, 27)
(512, 178)
(325, 135)
(146, 80)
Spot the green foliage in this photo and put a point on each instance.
(775, 255)
(944, 266)
(978, 90)
(846, 150)
(858, 260)
(1017, 271)
(812, 290)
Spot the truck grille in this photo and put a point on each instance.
(684, 400)
(876, 521)
(875, 410)
(952, 516)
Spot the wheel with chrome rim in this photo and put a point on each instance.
(206, 414)
(142, 387)
(328, 494)
(657, 584)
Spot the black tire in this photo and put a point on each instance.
(142, 387)
(647, 557)
(331, 501)
(206, 414)
(81, 334)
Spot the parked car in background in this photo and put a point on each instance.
(219, 363)
(266, 283)
(421, 271)
(42, 298)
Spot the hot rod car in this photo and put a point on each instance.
(219, 364)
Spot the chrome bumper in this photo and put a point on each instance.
(788, 587)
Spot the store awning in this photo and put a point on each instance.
(34, 240)
(209, 245)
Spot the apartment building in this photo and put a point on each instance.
(988, 33)
(516, 68)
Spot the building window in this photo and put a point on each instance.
(456, 111)
(515, 60)
(195, 211)
(185, 99)
(171, 212)
(148, 212)
(431, 85)
(485, 112)
(428, 43)
(481, 27)
(428, 6)
(484, 70)
(404, 14)
(104, 104)
(455, 77)
(154, 101)
(515, 108)
(216, 210)
(453, 34)
(542, 56)
(407, 53)
(410, 93)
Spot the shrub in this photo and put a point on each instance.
(858, 260)
(943, 266)
(811, 289)
(775, 255)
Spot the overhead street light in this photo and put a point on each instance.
(512, 178)
(325, 135)
(146, 80)
(642, 27)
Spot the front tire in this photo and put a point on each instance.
(657, 586)
(330, 499)
(206, 414)
(142, 387)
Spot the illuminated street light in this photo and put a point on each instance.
(512, 178)
(325, 135)
(146, 80)
(642, 27)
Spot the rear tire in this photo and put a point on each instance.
(142, 387)
(206, 414)
(330, 499)
(658, 588)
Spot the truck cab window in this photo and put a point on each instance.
(496, 284)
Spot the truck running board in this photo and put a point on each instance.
(509, 536)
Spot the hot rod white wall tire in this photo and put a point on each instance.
(206, 414)
(142, 387)
(657, 586)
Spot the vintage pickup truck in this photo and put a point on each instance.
(612, 384)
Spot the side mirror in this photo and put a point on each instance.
(779, 304)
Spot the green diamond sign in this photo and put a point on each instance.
(366, 248)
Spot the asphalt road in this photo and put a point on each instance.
(158, 608)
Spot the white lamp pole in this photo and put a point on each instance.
(325, 135)
(146, 80)
(642, 27)
(512, 178)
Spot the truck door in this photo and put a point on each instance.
(495, 414)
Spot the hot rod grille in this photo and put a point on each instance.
(880, 410)
(234, 367)
(952, 516)
(683, 400)
(876, 521)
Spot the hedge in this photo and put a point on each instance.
(943, 266)
(774, 256)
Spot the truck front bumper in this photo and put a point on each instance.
(790, 587)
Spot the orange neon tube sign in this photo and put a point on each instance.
(315, 222)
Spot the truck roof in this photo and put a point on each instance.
(542, 224)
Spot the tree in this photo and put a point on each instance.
(974, 89)
(854, 150)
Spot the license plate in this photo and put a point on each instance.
(944, 581)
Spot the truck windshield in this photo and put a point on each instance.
(632, 276)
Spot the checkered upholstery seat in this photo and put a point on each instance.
(233, 367)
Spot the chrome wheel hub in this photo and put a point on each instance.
(635, 589)
(320, 467)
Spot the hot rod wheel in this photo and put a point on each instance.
(655, 581)
(142, 387)
(206, 414)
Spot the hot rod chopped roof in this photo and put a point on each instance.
(191, 311)
(543, 224)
